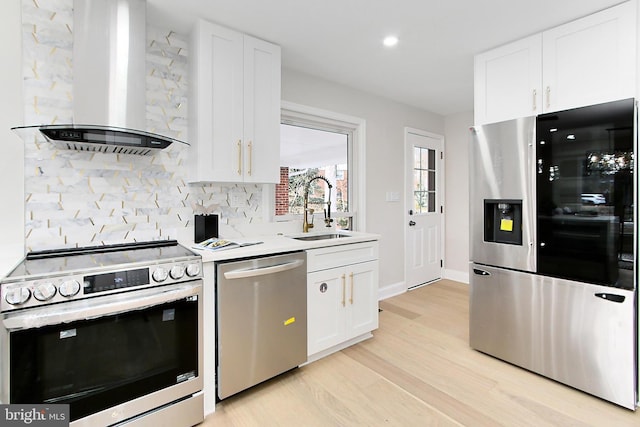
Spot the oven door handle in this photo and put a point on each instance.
(261, 271)
(92, 308)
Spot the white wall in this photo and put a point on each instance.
(457, 138)
(11, 160)
(385, 122)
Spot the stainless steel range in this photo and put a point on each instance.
(113, 331)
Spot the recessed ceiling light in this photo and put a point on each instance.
(390, 41)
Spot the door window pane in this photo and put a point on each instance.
(417, 157)
(432, 160)
(432, 201)
(431, 182)
(424, 180)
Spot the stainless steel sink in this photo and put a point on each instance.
(320, 236)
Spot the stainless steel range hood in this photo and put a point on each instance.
(109, 99)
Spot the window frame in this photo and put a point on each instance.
(355, 127)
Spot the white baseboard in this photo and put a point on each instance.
(458, 276)
(338, 347)
(401, 287)
(392, 290)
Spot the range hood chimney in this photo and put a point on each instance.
(109, 38)
(109, 81)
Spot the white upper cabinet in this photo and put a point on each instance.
(591, 60)
(587, 61)
(507, 81)
(235, 107)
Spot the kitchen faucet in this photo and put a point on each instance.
(327, 212)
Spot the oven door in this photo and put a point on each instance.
(110, 358)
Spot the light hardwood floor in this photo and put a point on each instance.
(418, 370)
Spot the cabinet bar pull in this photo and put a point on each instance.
(535, 105)
(239, 157)
(351, 297)
(344, 289)
(548, 96)
(250, 146)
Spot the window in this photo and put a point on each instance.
(307, 153)
(320, 143)
(424, 180)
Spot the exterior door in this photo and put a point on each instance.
(423, 241)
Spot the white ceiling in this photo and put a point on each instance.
(341, 40)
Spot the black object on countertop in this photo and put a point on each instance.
(206, 227)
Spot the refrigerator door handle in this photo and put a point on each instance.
(611, 297)
(481, 272)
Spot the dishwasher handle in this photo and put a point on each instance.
(261, 271)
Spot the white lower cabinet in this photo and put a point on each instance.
(342, 298)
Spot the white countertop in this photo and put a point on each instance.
(278, 244)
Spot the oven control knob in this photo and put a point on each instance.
(44, 291)
(160, 274)
(193, 270)
(69, 288)
(17, 296)
(176, 272)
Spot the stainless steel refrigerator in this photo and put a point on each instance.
(553, 285)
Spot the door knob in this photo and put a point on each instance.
(410, 211)
(412, 223)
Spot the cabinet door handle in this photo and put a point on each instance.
(344, 289)
(535, 104)
(250, 148)
(239, 157)
(351, 297)
(548, 96)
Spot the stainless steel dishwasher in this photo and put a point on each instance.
(261, 328)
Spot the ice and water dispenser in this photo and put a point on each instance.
(503, 221)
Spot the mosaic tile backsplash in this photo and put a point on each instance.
(75, 198)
